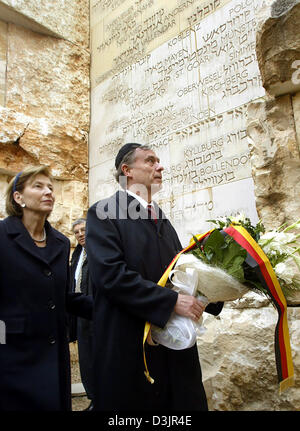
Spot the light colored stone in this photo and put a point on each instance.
(46, 118)
(47, 78)
(188, 100)
(189, 212)
(27, 140)
(238, 359)
(296, 111)
(71, 203)
(66, 19)
(275, 161)
(3, 53)
(278, 49)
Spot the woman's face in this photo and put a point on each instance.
(37, 195)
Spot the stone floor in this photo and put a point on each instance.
(79, 401)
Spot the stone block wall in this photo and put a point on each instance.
(44, 98)
(274, 123)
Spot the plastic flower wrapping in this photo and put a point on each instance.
(281, 247)
(217, 268)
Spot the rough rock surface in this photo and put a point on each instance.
(238, 359)
(275, 160)
(278, 48)
(68, 19)
(32, 140)
(44, 93)
(47, 78)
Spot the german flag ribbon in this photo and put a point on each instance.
(283, 356)
(162, 282)
(265, 272)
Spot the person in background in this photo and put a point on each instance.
(82, 327)
(130, 243)
(34, 298)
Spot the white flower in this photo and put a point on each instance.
(282, 272)
(238, 218)
(293, 226)
(280, 242)
(223, 219)
(288, 272)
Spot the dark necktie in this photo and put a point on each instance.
(152, 213)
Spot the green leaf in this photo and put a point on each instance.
(237, 273)
(199, 255)
(233, 250)
(213, 246)
(197, 242)
(209, 256)
(224, 252)
(236, 268)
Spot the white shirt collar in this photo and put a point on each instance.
(79, 264)
(141, 200)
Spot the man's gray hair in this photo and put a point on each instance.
(78, 221)
(129, 159)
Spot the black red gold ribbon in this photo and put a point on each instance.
(284, 364)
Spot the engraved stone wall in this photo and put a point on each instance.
(124, 31)
(187, 98)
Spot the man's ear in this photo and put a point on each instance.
(126, 170)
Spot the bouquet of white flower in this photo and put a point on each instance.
(283, 248)
(229, 261)
(224, 267)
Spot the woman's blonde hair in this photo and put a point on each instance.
(17, 183)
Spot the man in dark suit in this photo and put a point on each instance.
(129, 247)
(81, 329)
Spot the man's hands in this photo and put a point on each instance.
(189, 306)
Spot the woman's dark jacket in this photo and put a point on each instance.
(34, 298)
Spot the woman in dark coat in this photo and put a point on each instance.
(34, 278)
